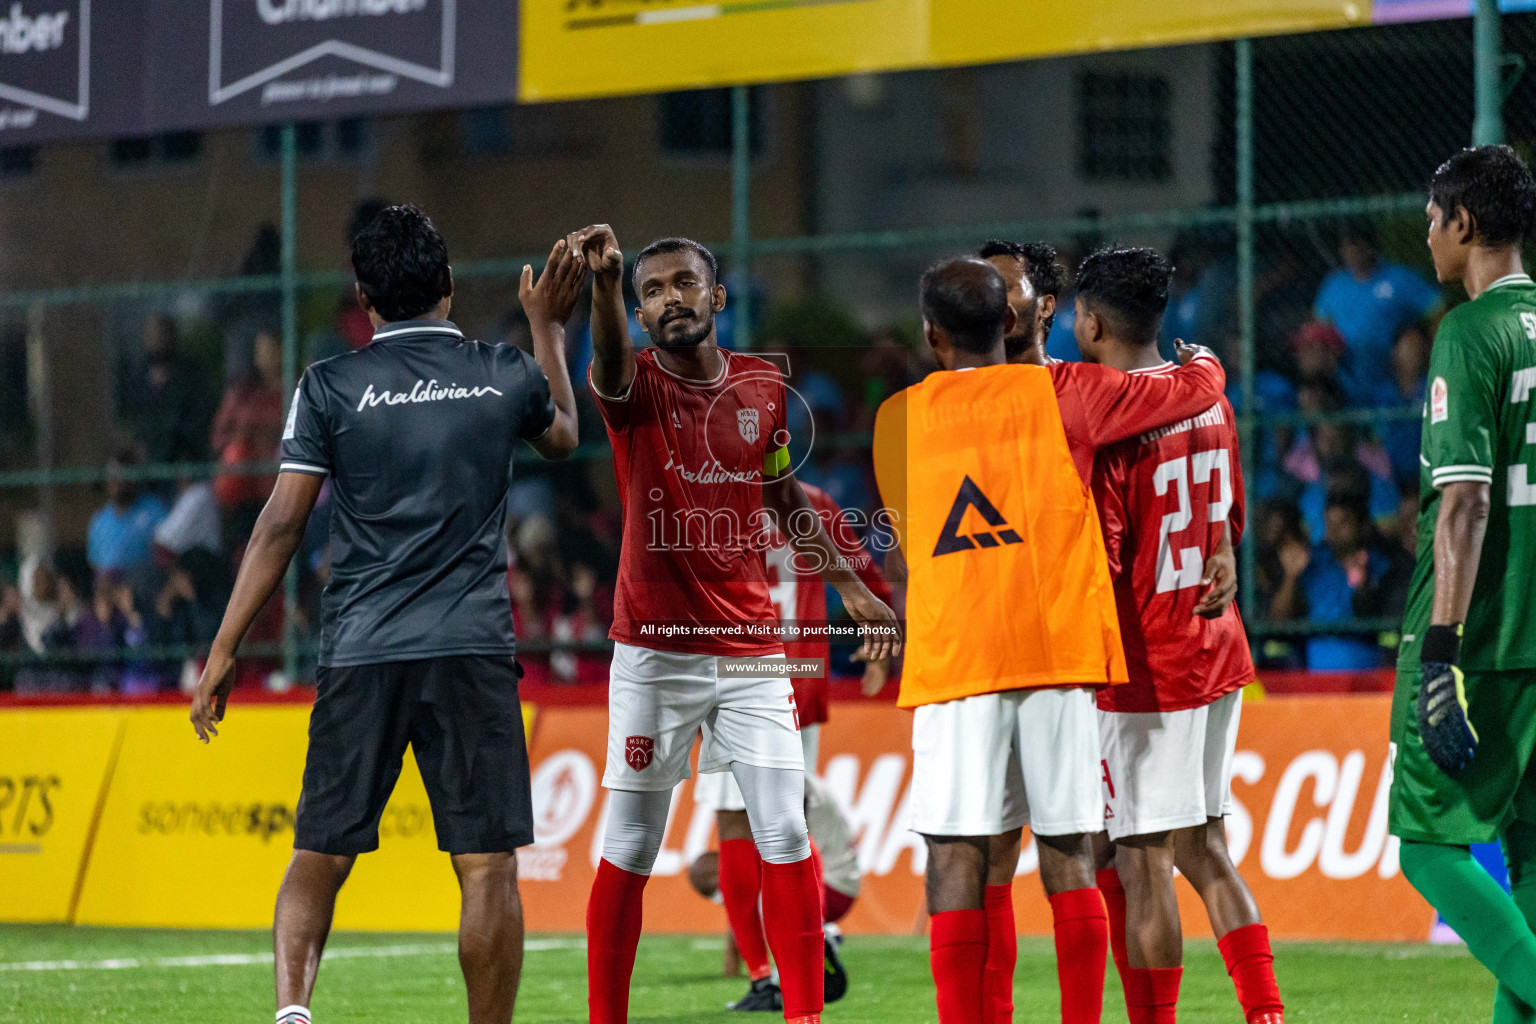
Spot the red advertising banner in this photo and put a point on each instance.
(1309, 830)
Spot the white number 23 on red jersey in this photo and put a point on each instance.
(1183, 568)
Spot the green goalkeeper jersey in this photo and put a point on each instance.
(1480, 425)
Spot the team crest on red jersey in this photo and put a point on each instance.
(639, 752)
(746, 422)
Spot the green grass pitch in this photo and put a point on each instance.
(54, 975)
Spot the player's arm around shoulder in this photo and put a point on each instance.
(1109, 406)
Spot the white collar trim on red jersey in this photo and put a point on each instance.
(725, 366)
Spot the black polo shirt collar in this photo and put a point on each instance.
(414, 330)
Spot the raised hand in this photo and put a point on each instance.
(600, 247)
(553, 297)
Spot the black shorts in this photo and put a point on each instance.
(462, 718)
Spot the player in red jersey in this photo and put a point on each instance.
(799, 597)
(700, 452)
(1043, 772)
(1035, 281)
(1171, 504)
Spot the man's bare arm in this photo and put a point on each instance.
(799, 521)
(277, 534)
(1459, 530)
(548, 305)
(613, 354)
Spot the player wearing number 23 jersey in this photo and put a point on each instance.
(1165, 498)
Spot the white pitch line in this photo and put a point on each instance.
(263, 959)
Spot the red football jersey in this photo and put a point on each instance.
(688, 458)
(1164, 500)
(800, 596)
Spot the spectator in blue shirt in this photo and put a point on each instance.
(1322, 584)
(1370, 301)
(122, 531)
(1405, 390)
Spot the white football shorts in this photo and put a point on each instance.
(658, 701)
(987, 764)
(1168, 769)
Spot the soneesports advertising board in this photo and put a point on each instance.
(85, 841)
(54, 766)
(269, 60)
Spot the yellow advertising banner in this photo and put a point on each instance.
(54, 765)
(587, 48)
(195, 836)
(612, 47)
(983, 31)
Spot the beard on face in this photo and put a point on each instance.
(689, 332)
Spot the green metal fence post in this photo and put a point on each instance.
(1247, 361)
(1488, 71)
(290, 292)
(741, 212)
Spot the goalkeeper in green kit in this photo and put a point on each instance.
(1464, 709)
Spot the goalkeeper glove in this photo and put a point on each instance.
(1449, 739)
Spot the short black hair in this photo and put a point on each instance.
(402, 263)
(662, 246)
(364, 214)
(1129, 288)
(1494, 186)
(1046, 275)
(968, 299)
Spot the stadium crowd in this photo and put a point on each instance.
(1334, 510)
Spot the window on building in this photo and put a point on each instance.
(157, 150)
(698, 123)
(342, 140)
(529, 130)
(1124, 127)
(18, 161)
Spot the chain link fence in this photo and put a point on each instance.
(138, 421)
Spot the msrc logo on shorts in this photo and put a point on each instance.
(639, 751)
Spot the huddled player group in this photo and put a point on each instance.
(1071, 652)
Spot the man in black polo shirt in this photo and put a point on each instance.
(417, 432)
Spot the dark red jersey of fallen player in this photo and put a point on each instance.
(688, 458)
(1165, 499)
(800, 596)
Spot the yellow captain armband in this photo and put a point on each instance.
(775, 462)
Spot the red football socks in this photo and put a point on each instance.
(1002, 955)
(741, 883)
(1252, 967)
(613, 933)
(1082, 940)
(792, 901)
(1152, 994)
(957, 952)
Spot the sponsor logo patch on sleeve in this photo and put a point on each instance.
(1439, 401)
